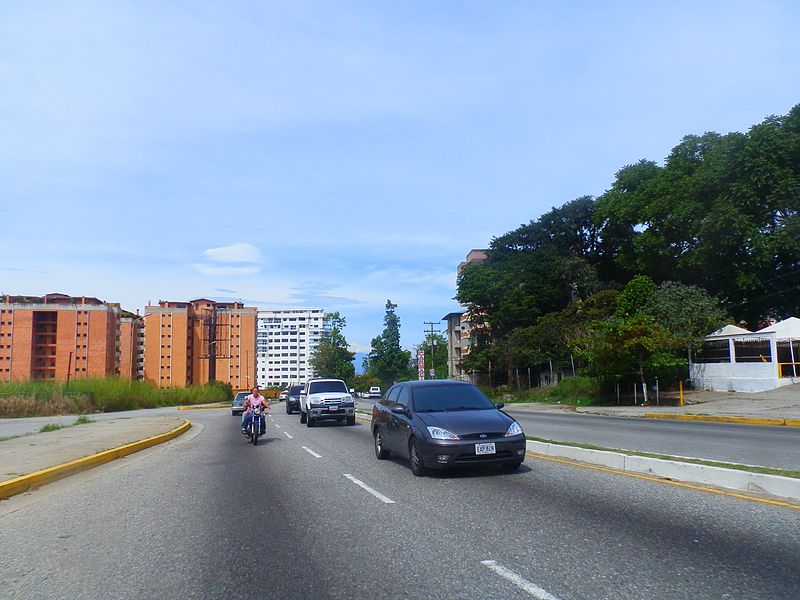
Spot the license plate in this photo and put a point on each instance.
(333, 408)
(485, 448)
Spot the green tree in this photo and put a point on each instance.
(723, 213)
(686, 311)
(332, 358)
(650, 330)
(388, 362)
(362, 382)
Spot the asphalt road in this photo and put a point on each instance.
(776, 447)
(209, 516)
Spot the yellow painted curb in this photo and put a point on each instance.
(25, 482)
(793, 422)
(718, 419)
(204, 407)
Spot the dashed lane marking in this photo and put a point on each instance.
(519, 581)
(372, 491)
(288, 435)
(311, 452)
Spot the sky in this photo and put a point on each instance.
(339, 154)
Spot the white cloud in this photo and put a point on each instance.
(234, 253)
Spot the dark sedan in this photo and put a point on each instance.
(439, 424)
(237, 406)
(293, 399)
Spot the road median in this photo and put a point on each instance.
(678, 468)
(47, 475)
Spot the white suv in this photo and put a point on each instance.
(326, 399)
(374, 392)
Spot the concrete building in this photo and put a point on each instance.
(56, 337)
(473, 256)
(457, 342)
(286, 337)
(131, 346)
(460, 325)
(192, 343)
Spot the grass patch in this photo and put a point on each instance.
(694, 461)
(570, 391)
(82, 420)
(50, 427)
(47, 398)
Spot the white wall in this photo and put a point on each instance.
(736, 377)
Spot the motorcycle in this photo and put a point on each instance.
(255, 426)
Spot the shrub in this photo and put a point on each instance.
(38, 398)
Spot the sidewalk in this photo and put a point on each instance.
(80, 446)
(782, 403)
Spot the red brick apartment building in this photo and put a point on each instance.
(55, 337)
(183, 338)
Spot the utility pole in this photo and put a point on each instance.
(432, 332)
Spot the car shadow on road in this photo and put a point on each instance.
(465, 471)
(322, 424)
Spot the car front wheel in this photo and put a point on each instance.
(415, 458)
(381, 453)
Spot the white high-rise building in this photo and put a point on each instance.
(285, 338)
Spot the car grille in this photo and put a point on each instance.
(486, 436)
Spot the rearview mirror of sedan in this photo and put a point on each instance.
(498, 405)
(400, 410)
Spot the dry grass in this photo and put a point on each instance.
(27, 406)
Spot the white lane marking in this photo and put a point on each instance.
(364, 486)
(288, 435)
(278, 426)
(522, 583)
(311, 452)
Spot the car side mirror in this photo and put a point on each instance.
(352, 391)
(303, 393)
(498, 405)
(400, 410)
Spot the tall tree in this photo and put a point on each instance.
(387, 360)
(332, 358)
(648, 334)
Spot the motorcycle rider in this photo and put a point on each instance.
(253, 400)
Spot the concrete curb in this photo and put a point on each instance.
(25, 482)
(786, 487)
(204, 407)
(721, 419)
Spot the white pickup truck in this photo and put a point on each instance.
(326, 399)
(374, 392)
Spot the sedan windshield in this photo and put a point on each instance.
(434, 398)
(327, 386)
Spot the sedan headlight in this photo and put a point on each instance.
(438, 433)
(514, 429)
